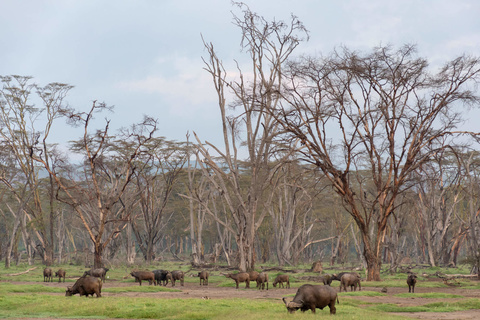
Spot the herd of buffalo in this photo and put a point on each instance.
(308, 297)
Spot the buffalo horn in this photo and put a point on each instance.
(292, 304)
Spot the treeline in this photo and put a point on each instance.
(352, 158)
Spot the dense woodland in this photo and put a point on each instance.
(352, 158)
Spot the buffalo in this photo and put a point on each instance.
(176, 275)
(280, 279)
(261, 280)
(311, 297)
(338, 276)
(98, 272)
(350, 280)
(86, 286)
(253, 275)
(327, 279)
(203, 275)
(60, 274)
(143, 275)
(161, 277)
(411, 281)
(47, 275)
(240, 277)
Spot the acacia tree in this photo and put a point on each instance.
(153, 184)
(439, 192)
(268, 44)
(22, 125)
(94, 191)
(382, 112)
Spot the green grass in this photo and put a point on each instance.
(462, 305)
(362, 294)
(42, 306)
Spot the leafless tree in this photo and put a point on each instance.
(153, 184)
(94, 191)
(369, 120)
(24, 126)
(249, 127)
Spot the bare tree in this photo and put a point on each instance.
(161, 164)
(95, 191)
(439, 193)
(20, 121)
(369, 120)
(268, 44)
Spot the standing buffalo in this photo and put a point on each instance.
(350, 280)
(411, 281)
(161, 277)
(311, 297)
(280, 279)
(47, 275)
(327, 279)
(261, 280)
(98, 272)
(240, 277)
(253, 275)
(86, 286)
(203, 275)
(176, 275)
(60, 274)
(143, 275)
(338, 276)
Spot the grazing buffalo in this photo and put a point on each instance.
(161, 277)
(280, 279)
(411, 281)
(311, 297)
(176, 275)
(60, 274)
(98, 272)
(261, 280)
(203, 275)
(350, 280)
(240, 277)
(143, 275)
(47, 275)
(86, 286)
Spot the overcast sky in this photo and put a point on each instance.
(144, 56)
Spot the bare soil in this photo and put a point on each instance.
(195, 291)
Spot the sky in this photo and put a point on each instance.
(145, 56)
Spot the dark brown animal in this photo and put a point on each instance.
(253, 275)
(262, 279)
(176, 275)
(47, 275)
(203, 275)
(311, 297)
(60, 274)
(161, 277)
(411, 281)
(327, 279)
(350, 280)
(280, 279)
(86, 286)
(240, 277)
(143, 275)
(98, 272)
(338, 276)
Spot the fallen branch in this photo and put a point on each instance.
(17, 274)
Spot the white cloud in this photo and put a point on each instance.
(187, 87)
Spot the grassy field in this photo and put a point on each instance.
(34, 299)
